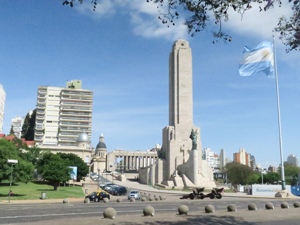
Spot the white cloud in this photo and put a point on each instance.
(257, 24)
(143, 18)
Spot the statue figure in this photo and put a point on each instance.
(161, 154)
(193, 136)
(172, 134)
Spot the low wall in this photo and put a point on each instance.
(267, 190)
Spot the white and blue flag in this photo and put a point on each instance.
(259, 59)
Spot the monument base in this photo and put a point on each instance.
(283, 194)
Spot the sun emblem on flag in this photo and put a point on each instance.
(265, 53)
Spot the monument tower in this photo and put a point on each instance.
(180, 160)
(183, 153)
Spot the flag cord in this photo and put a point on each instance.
(278, 110)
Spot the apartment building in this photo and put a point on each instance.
(62, 114)
(242, 157)
(2, 105)
(272, 169)
(17, 124)
(213, 160)
(293, 159)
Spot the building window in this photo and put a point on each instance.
(87, 159)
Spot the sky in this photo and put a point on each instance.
(121, 53)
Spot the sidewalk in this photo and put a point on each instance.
(92, 186)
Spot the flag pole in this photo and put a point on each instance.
(278, 110)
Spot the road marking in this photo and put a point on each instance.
(67, 214)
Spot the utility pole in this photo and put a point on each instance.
(11, 162)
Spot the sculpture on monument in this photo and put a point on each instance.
(179, 153)
(161, 154)
(193, 136)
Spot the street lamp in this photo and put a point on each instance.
(11, 162)
(98, 178)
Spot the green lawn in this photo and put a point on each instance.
(33, 190)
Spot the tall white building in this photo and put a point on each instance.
(17, 124)
(213, 160)
(2, 105)
(293, 159)
(222, 159)
(62, 114)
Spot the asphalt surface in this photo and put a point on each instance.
(43, 212)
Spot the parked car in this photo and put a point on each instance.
(108, 187)
(119, 190)
(98, 195)
(134, 194)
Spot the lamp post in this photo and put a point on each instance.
(98, 178)
(11, 162)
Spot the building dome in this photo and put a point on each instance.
(83, 137)
(101, 143)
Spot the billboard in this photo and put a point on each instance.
(73, 173)
(267, 190)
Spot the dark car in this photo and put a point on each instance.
(97, 196)
(119, 191)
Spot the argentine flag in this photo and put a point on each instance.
(259, 59)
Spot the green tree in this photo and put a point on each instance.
(238, 173)
(74, 160)
(23, 171)
(53, 169)
(291, 173)
(253, 178)
(28, 126)
(11, 132)
(197, 13)
(271, 178)
(32, 154)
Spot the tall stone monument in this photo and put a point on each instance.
(181, 139)
(181, 161)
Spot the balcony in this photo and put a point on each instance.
(40, 111)
(40, 106)
(42, 91)
(40, 117)
(68, 134)
(76, 109)
(74, 93)
(75, 119)
(74, 129)
(41, 96)
(75, 103)
(39, 133)
(67, 139)
(77, 98)
(38, 138)
(39, 127)
(75, 114)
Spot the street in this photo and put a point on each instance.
(166, 209)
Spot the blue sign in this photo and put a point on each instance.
(73, 173)
(295, 190)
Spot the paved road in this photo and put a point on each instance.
(20, 213)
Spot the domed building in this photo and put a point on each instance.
(99, 158)
(82, 148)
